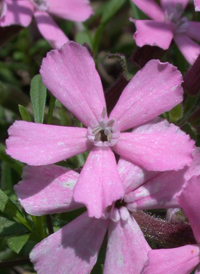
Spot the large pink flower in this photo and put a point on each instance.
(71, 76)
(167, 24)
(186, 258)
(74, 248)
(20, 12)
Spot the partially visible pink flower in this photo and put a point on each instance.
(167, 24)
(197, 5)
(71, 76)
(20, 12)
(74, 248)
(186, 258)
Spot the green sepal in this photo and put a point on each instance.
(24, 113)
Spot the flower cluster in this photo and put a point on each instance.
(20, 12)
(137, 160)
(167, 23)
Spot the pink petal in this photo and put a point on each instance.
(148, 94)
(161, 191)
(50, 30)
(133, 176)
(189, 201)
(169, 5)
(70, 74)
(39, 144)
(194, 168)
(188, 48)
(73, 249)
(197, 5)
(47, 189)
(150, 8)
(75, 10)
(157, 146)
(99, 184)
(127, 248)
(180, 260)
(153, 33)
(193, 30)
(3, 9)
(19, 12)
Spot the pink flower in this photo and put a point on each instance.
(20, 12)
(71, 76)
(186, 258)
(167, 24)
(197, 5)
(74, 248)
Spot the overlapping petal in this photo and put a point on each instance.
(193, 30)
(194, 168)
(153, 33)
(148, 94)
(157, 146)
(127, 248)
(188, 47)
(150, 8)
(160, 192)
(75, 10)
(133, 176)
(47, 190)
(99, 184)
(189, 201)
(71, 76)
(50, 30)
(173, 260)
(39, 144)
(19, 12)
(72, 249)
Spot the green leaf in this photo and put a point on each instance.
(111, 8)
(16, 243)
(10, 228)
(38, 95)
(24, 113)
(16, 165)
(83, 37)
(176, 113)
(109, 11)
(11, 211)
(3, 200)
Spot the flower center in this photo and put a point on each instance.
(117, 211)
(40, 4)
(106, 133)
(179, 24)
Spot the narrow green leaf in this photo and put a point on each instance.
(38, 95)
(108, 12)
(24, 113)
(3, 200)
(6, 179)
(16, 243)
(16, 165)
(111, 8)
